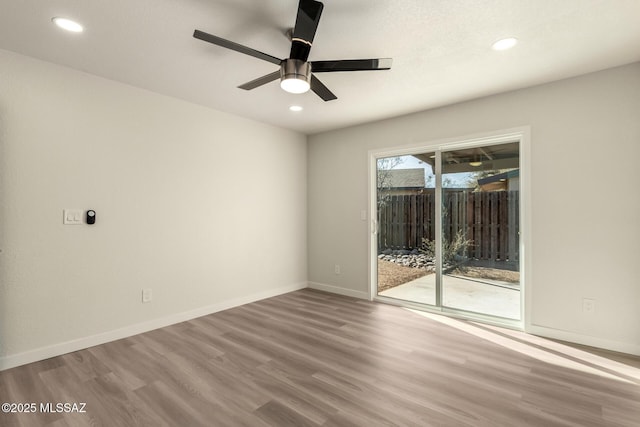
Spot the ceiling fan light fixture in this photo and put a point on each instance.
(295, 85)
(475, 164)
(295, 76)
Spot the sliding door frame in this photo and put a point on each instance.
(520, 134)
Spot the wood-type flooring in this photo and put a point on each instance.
(309, 358)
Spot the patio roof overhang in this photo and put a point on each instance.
(490, 157)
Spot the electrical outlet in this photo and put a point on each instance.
(336, 268)
(146, 295)
(588, 305)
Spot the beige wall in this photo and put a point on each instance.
(174, 187)
(585, 134)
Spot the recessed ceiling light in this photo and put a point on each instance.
(295, 108)
(505, 44)
(67, 24)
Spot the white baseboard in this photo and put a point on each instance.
(338, 290)
(42, 353)
(587, 340)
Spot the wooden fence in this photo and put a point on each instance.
(490, 220)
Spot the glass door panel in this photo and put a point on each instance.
(406, 218)
(480, 230)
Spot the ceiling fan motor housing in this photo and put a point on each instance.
(295, 73)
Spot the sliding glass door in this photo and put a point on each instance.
(448, 229)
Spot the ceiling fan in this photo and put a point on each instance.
(296, 73)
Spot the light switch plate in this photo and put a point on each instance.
(72, 216)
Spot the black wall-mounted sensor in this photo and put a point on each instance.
(91, 217)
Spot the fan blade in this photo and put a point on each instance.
(235, 46)
(261, 81)
(351, 65)
(307, 21)
(321, 90)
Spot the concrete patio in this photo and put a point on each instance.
(476, 295)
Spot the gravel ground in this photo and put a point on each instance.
(487, 273)
(391, 274)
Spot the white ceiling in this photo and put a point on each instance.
(440, 49)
